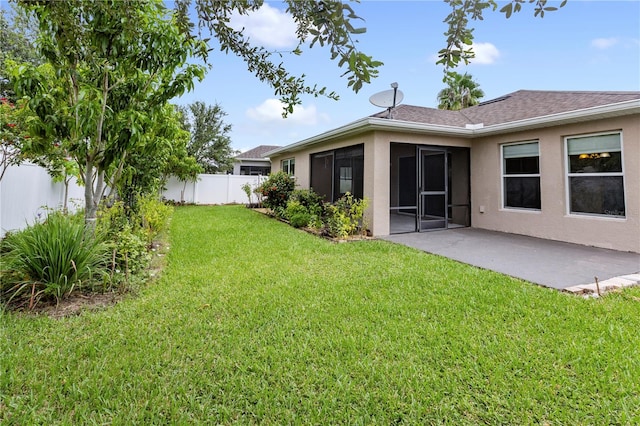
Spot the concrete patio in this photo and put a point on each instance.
(555, 264)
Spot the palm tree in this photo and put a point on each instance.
(462, 92)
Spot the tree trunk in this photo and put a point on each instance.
(90, 206)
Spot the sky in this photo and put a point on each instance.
(586, 45)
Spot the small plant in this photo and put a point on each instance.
(305, 209)
(246, 187)
(346, 217)
(154, 215)
(276, 191)
(309, 199)
(128, 239)
(297, 214)
(49, 259)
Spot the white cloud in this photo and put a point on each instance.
(268, 26)
(604, 43)
(486, 53)
(270, 111)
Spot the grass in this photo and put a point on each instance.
(256, 322)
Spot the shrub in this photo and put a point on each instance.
(49, 259)
(276, 191)
(309, 199)
(297, 214)
(127, 239)
(346, 217)
(153, 215)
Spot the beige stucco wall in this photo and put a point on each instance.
(376, 167)
(553, 220)
(371, 157)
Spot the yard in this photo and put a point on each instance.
(253, 321)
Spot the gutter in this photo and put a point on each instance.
(470, 131)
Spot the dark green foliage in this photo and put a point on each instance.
(461, 92)
(297, 214)
(309, 199)
(209, 141)
(460, 36)
(131, 233)
(48, 260)
(276, 191)
(342, 219)
(345, 217)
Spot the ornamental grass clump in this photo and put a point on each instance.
(49, 259)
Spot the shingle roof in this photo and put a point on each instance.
(257, 152)
(515, 106)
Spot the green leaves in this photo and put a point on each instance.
(209, 142)
(327, 23)
(459, 35)
(114, 66)
(461, 92)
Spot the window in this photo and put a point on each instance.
(255, 170)
(521, 175)
(334, 173)
(289, 166)
(594, 174)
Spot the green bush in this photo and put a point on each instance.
(346, 217)
(309, 199)
(297, 214)
(49, 259)
(127, 239)
(153, 215)
(305, 209)
(276, 191)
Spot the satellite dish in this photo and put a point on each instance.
(387, 98)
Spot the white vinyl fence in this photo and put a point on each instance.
(27, 191)
(211, 189)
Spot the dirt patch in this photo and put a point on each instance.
(78, 303)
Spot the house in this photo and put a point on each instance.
(559, 165)
(253, 162)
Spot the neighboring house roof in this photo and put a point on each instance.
(257, 153)
(521, 110)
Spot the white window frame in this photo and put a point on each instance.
(503, 176)
(287, 163)
(568, 175)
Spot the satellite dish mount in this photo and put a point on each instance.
(388, 98)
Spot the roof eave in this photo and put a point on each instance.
(369, 124)
(569, 117)
(372, 123)
(252, 159)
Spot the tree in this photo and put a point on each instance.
(326, 22)
(461, 92)
(119, 63)
(161, 153)
(209, 142)
(14, 137)
(330, 23)
(17, 44)
(460, 36)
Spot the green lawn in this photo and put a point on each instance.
(256, 322)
